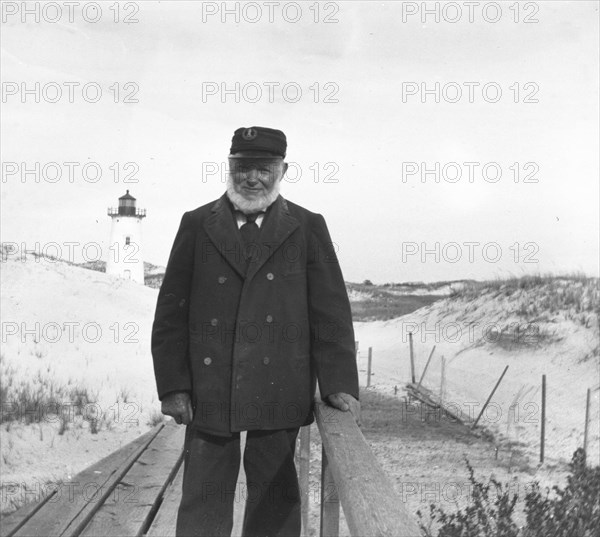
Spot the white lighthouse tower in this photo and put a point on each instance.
(125, 258)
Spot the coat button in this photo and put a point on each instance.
(266, 360)
(222, 279)
(214, 322)
(269, 318)
(207, 361)
(270, 276)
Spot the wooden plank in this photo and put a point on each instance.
(72, 500)
(163, 524)
(330, 501)
(12, 522)
(134, 501)
(427, 397)
(368, 498)
(78, 523)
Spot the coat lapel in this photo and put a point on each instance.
(222, 231)
(277, 226)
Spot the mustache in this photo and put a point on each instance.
(264, 200)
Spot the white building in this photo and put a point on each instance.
(125, 258)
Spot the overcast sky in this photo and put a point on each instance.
(368, 133)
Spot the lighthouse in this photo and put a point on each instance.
(125, 258)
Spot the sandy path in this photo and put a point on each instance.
(473, 367)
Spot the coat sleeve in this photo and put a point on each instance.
(332, 334)
(170, 329)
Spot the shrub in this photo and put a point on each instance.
(570, 512)
(483, 517)
(573, 511)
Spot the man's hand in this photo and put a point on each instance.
(345, 402)
(179, 406)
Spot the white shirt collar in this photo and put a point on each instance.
(240, 219)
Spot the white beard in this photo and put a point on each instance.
(251, 206)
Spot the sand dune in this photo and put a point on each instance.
(76, 344)
(478, 338)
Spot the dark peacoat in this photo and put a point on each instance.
(250, 340)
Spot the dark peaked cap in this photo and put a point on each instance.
(259, 139)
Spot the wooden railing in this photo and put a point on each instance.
(352, 477)
(150, 468)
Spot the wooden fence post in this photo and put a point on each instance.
(543, 431)
(412, 358)
(426, 366)
(443, 381)
(356, 349)
(369, 366)
(587, 422)
(490, 396)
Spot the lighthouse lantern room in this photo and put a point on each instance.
(125, 258)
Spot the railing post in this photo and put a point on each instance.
(330, 503)
(352, 477)
(303, 477)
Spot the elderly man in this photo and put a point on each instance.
(252, 311)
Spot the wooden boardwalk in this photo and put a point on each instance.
(136, 490)
(133, 491)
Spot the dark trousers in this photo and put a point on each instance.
(210, 475)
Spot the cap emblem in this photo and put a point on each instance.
(249, 134)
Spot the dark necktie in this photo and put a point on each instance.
(250, 232)
(250, 229)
